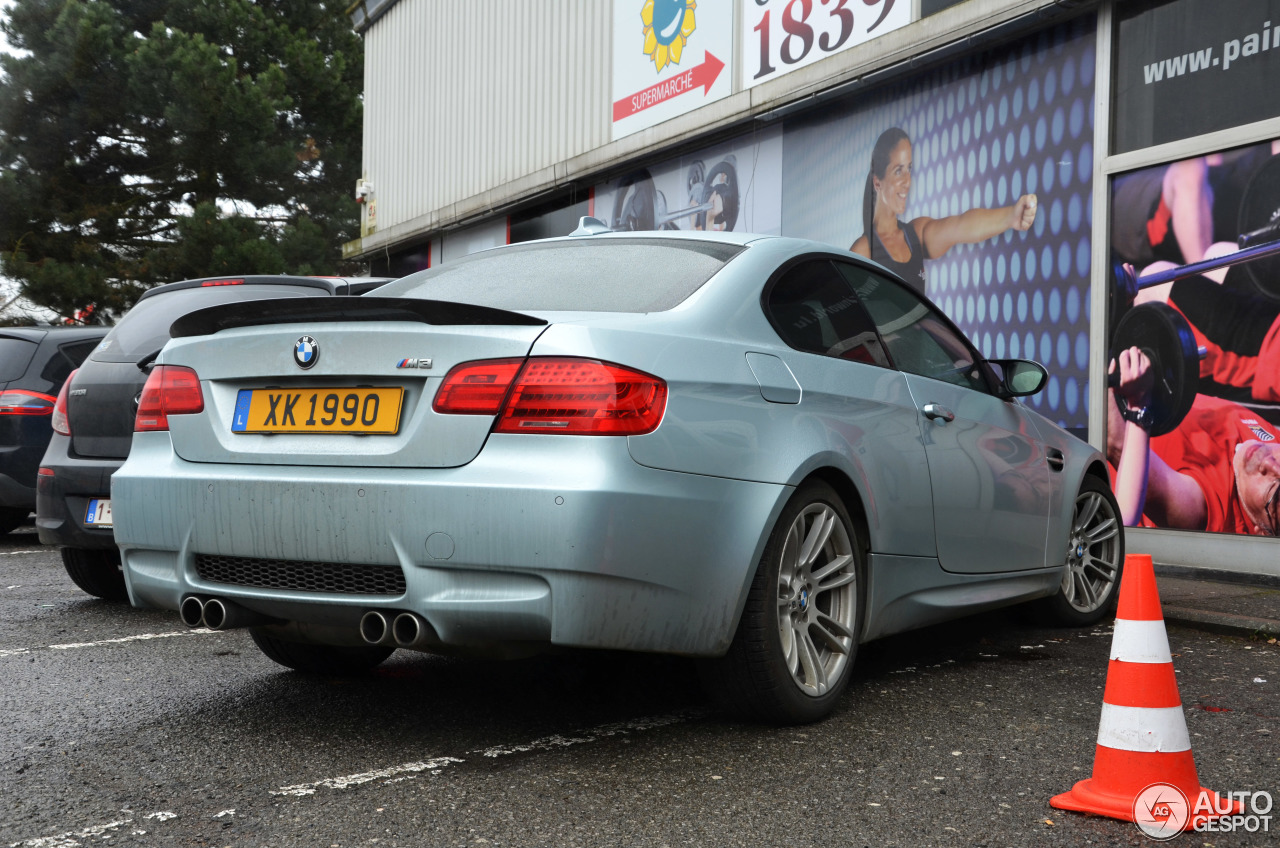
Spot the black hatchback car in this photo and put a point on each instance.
(34, 363)
(93, 419)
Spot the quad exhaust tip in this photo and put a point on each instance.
(410, 631)
(192, 611)
(217, 614)
(375, 628)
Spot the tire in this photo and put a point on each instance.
(11, 518)
(310, 658)
(794, 649)
(1095, 558)
(97, 572)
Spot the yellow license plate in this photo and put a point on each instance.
(341, 410)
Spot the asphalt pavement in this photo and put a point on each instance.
(119, 726)
(1235, 605)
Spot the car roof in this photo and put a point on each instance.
(64, 333)
(716, 236)
(355, 285)
(723, 237)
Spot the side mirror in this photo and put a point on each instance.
(1019, 377)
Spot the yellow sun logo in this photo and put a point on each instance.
(667, 27)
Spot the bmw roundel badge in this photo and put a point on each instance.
(306, 351)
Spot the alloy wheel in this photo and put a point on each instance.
(1093, 553)
(817, 599)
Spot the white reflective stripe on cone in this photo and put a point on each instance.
(1140, 642)
(1143, 729)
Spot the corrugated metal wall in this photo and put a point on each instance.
(531, 77)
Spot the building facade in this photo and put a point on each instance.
(1137, 133)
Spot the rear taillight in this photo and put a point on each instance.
(62, 424)
(583, 397)
(476, 388)
(20, 402)
(170, 390)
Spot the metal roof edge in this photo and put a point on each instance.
(364, 12)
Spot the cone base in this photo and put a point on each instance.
(1119, 776)
(1086, 797)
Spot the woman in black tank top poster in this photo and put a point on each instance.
(903, 247)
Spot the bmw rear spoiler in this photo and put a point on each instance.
(316, 310)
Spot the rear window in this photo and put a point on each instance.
(606, 275)
(145, 328)
(15, 355)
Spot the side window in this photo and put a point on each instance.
(814, 309)
(68, 356)
(920, 340)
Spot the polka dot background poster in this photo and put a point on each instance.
(984, 131)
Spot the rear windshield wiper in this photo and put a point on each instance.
(144, 364)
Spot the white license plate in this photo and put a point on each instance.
(99, 512)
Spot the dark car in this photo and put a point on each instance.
(93, 420)
(34, 363)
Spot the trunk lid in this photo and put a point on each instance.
(357, 343)
(101, 405)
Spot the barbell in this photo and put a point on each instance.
(1254, 245)
(1260, 215)
(639, 206)
(1165, 336)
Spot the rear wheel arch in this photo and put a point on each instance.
(1098, 469)
(798, 632)
(852, 499)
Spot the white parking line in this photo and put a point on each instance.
(433, 765)
(71, 839)
(546, 743)
(604, 731)
(15, 553)
(141, 637)
(389, 775)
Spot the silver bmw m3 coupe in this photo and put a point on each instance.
(756, 450)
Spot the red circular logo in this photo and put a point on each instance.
(1161, 811)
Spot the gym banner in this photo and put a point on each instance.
(735, 187)
(1189, 67)
(1193, 401)
(973, 182)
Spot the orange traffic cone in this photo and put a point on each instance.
(1143, 742)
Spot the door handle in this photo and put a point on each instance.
(934, 411)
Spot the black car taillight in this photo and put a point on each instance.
(23, 402)
(61, 423)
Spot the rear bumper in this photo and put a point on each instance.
(16, 495)
(22, 443)
(61, 500)
(554, 539)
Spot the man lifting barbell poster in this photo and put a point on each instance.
(1219, 470)
(734, 187)
(1194, 397)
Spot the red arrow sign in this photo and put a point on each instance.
(699, 75)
